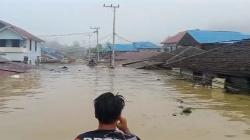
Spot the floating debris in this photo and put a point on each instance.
(144, 73)
(187, 110)
(180, 101)
(174, 114)
(15, 76)
(181, 107)
(65, 67)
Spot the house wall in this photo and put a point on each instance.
(34, 55)
(150, 49)
(169, 47)
(238, 83)
(188, 40)
(17, 57)
(18, 53)
(8, 34)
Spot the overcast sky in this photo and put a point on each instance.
(137, 20)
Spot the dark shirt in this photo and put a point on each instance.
(106, 135)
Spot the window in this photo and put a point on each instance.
(30, 45)
(26, 59)
(8, 43)
(35, 46)
(2, 43)
(15, 43)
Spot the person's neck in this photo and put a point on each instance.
(107, 126)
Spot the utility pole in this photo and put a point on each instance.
(97, 41)
(89, 46)
(112, 65)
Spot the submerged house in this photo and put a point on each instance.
(229, 62)
(172, 43)
(184, 52)
(134, 47)
(147, 46)
(51, 55)
(120, 48)
(8, 68)
(203, 39)
(151, 60)
(136, 56)
(19, 45)
(161, 59)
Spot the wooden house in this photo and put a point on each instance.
(229, 62)
(203, 39)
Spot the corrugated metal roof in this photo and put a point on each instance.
(184, 52)
(20, 31)
(203, 36)
(125, 48)
(136, 55)
(146, 45)
(122, 48)
(229, 60)
(162, 57)
(144, 64)
(174, 39)
(134, 47)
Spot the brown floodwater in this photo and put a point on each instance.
(56, 104)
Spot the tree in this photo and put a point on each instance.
(99, 48)
(54, 44)
(76, 44)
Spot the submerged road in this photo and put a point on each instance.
(51, 103)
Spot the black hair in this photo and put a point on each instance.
(108, 107)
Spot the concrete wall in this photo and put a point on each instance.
(34, 54)
(169, 47)
(9, 34)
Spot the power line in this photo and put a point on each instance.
(105, 37)
(107, 40)
(69, 34)
(123, 38)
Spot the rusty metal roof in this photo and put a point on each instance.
(136, 55)
(229, 60)
(184, 52)
(174, 39)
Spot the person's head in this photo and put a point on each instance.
(108, 107)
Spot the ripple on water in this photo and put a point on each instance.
(152, 98)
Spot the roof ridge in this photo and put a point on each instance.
(182, 52)
(21, 31)
(198, 54)
(206, 30)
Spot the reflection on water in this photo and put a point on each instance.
(24, 85)
(234, 106)
(54, 103)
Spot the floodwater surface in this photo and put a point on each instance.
(56, 104)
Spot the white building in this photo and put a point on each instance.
(18, 45)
